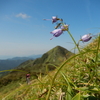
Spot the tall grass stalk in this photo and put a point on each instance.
(97, 58)
(13, 70)
(97, 49)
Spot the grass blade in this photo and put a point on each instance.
(76, 97)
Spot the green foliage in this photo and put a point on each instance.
(76, 97)
(77, 78)
(68, 91)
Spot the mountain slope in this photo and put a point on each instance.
(14, 62)
(54, 56)
(40, 65)
(9, 64)
(57, 55)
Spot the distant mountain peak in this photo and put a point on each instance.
(55, 54)
(60, 48)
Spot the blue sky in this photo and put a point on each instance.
(23, 31)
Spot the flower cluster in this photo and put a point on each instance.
(61, 27)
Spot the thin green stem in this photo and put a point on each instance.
(74, 41)
(75, 45)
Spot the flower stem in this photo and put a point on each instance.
(74, 40)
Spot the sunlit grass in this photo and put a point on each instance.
(77, 78)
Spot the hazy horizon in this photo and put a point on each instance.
(4, 57)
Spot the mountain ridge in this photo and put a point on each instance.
(15, 61)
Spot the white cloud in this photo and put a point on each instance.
(24, 16)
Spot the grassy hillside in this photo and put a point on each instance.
(77, 78)
(41, 65)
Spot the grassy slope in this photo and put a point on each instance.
(76, 79)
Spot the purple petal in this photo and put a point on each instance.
(51, 38)
(57, 32)
(54, 19)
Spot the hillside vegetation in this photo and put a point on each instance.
(75, 78)
(40, 65)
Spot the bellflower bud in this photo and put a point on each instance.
(86, 38)
(55, 19)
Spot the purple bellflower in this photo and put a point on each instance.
(54, 19)
(56, 33)
(86, 38)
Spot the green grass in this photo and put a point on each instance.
(77, 78)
